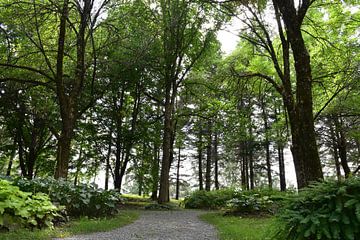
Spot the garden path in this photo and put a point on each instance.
(159, 225)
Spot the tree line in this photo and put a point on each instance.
(134, 87)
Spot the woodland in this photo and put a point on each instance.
(140, 93)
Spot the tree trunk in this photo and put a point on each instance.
(267, 144)
(250, 155)
(63, 151)
(178, 175)
(130, 141)
(281, 159)
(335, 150)
(108, 155)
(216, 160)
(155, 171)
(12, 156)
(66, 103)
(35, 145)
(246, 167)
(208, 157)
(304, 148)
(241, 159)
(78, 166)
(341, 145)
(200, 158)
(118, 141)
(167, 145)
(251, 165)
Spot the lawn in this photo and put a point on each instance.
(239, 228)
(79, 226)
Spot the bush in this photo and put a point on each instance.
(81, 200)
(18, 208)
(252, 204)
(254, 201)
(209, 199)
(258, 201)
(326, 210)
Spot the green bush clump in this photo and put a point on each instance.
(250, 204)
(80, 200)
(326, 210)
(253, 201)
(258, 201)
(24, 209)
(209, 199)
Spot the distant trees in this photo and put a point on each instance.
(139, 91)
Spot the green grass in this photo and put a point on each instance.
(239, 228)
(79, 226)
(133, 201)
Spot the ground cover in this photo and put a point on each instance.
(80, 226)
(239, 228)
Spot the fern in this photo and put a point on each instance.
(326, 210)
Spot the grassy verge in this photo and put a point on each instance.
(236, 228)
(80, 226)
(143, 202)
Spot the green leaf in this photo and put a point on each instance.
(350, 202)
(357, 211)
(349, 232)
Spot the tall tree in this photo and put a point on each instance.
(184, 43)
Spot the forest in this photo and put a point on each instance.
(138, 97)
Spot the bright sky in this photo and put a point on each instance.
(229, 36)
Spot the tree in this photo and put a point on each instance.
(57, 66)
(184, 43)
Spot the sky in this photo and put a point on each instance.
(228, 37)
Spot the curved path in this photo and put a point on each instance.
(159, 225)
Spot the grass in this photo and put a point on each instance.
(133, 201)
(237, 228)
(80, 226)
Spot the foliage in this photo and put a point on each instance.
(18, 208)
(80, 226)
(254, 201)
(250, 204)
(209, 199)
(236, 228)
(325, 210)
(80, 200)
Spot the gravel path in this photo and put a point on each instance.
(159, 225)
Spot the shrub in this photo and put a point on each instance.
(260, 200)
(81, 200)
(326, 210)
(18, 208)
(209, 199)
(252, 204)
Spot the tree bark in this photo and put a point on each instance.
(208, 157)
(178, 175)
(267, 144)
(118, 141)
(335, 152)
(200, 158)
(216, 160)
(167, 145)
(12, 156)
(107, 160)
(155, 171)
(250, 156)
(341, 145)
(281, 160)
(304, 148)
